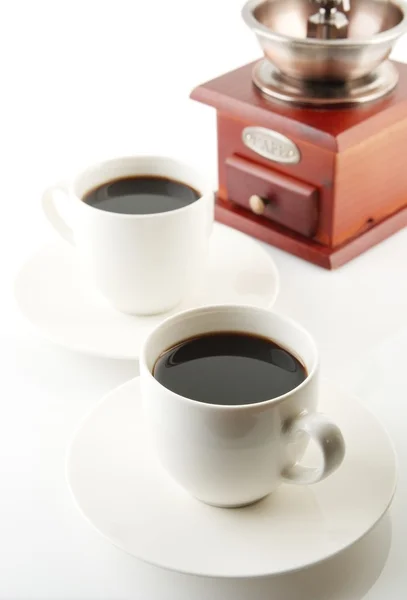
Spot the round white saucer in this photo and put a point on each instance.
(123, 492)
(53, 294)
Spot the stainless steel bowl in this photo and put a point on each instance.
(281, 27)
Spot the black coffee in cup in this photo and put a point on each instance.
(229, 368)
(141, 195)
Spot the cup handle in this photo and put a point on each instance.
(53, 216)
(328, 438)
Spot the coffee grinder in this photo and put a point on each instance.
(312, 139)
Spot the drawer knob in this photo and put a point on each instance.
(257, 204)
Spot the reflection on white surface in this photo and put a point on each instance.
(348, 576)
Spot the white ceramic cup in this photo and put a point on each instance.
(231, 456)
(142, 264)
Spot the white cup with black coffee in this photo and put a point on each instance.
(141, 226)
(230, 396)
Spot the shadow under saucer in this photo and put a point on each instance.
(350, 574)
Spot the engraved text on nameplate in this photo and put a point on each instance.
(271, 145)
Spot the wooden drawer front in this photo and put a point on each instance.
(287, 201)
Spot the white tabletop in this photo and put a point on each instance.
(92, 79)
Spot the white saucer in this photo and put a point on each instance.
(53, 294)
(122, 491)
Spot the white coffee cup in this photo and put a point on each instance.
(231, 456)
(142, 264)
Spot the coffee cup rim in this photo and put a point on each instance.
(146, 372)
(203, 188)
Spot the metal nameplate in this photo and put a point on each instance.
(271, 145)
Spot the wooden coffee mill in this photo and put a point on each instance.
(312, 139)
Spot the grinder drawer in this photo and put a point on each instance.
(273, 196)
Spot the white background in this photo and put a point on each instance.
(84, 80)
